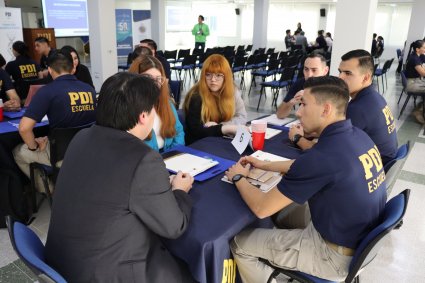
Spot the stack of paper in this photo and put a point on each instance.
(292, 123)
(262, 179)
(273, 120)
(269, 132)
(265, 156)
(188, 163)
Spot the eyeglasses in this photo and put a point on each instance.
(218, 76)
(159, 80)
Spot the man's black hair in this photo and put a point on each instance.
(123, 97)
(364, 57)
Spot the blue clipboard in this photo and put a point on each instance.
(223, 164)
(13, 115)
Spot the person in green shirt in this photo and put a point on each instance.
(200, 31)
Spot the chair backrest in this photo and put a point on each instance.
(175, 87)
(370, 245)
(402, 152)
(170, 54)
(183, 53)
(30, 250)
(287, 74)
(59, 139)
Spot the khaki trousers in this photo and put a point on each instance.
(23, 157)
(297, 249)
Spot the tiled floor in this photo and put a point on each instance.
(402, 259)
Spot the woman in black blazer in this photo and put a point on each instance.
(81, 71)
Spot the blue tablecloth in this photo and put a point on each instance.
(13, 125)
(218, 214)
(14, 115)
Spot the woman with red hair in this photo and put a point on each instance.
(213, 106)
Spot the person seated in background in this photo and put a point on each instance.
(81, 72)
(379, 46)
(329, 41)
(373, 49)
(139, 50)
(415, 73)
(115, 198)
(314, 66)
(2, 61)
(213, 106)
(42, 47)
(343, 167)
(320, 45)
(22, 69)
(11, 100)
(66, 101)
(301, 40)
(167, 130)
(367, 109)
(289, 40)
(151, 44)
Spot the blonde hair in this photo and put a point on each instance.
(140, 65)
(219, 108)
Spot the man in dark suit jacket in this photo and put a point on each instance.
(114, 198)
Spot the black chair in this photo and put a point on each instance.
(383, 73)
(366, 251)
(239, 67)
(285, 80)
(175, 87)
(188, 64)
(183, 53)
(170, 56)
(59, 139)
(30, 250)
(271, 70)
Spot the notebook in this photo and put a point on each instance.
(187, 163)
(262, 179)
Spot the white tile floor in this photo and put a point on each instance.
(402, 259)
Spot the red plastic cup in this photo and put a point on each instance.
(259, 128)
(1, 114)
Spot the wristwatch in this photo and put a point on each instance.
(34, 149)
(237, 177)
(296, 138)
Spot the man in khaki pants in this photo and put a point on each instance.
(66, 101)
(344, 166)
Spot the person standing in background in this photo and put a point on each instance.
(373, 49)
(200, 31)
(42, 47)
(299, 29)
(289, 40)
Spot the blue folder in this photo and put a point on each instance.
(223, 164)
(13, 115)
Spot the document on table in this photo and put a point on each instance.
(292, 123)
(270, 132)
(266, 156)
(273, 120)
(262, 179)
(187, 163)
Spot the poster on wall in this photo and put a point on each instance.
(124, 31)
(141, 25)
(10, 30)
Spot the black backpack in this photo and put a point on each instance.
(13, 199)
